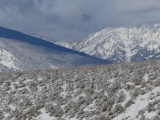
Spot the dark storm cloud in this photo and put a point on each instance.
(73, 20)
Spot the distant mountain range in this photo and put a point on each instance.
(19, 51)
(122, 44)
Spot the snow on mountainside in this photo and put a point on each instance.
(7, 60)
(19, 51)
(124, 44)
(128, 91)
(69, 45)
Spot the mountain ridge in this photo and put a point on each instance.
(27, 52)
(123, 44)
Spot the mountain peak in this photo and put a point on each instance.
(124, 44)
(150, 25)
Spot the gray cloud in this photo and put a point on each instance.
(73, 20)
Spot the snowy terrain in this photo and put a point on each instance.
(20, 51)
(69, 45)
(7, 60)
(122, 44)
(127, 91)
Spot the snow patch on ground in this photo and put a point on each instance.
(44, 115)
(7, 60)
(140, 103)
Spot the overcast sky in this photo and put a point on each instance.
(74, 20)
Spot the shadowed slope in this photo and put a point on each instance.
(26, 52)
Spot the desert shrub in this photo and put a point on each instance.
(88, 99)
(150, 107)
(23, 91)
(149, 87)
(32, 86)
(137, 81)
(81, 100)
(108, 105)
(57, 111)
(157, 117)
(141, 112)
(119, 108)
(158, 112)
(80, 112)
(105, 98)
(78, 92)
(21, 105)
(142, 92)
(126, 118)
(71, 104)
(128, 103)
(15, 113)
(41, 83)
(15, 86)
(33, 112)
(152, 104)
(153, 77)
(88, 114)
(143, 84)
(103, 117)
(28, 102)
(6, 88)
(72, 113)
(1, 115)
(89, 91)
(7, 83)
(48, 107)
(157, 82)
(142, 117)
(121, 97)
(114, 87)
(98, 95)
(135, 93)
(7, 109)
(21, 84)
(60, 119)
(128, 87)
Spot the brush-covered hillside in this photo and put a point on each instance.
(128, 91)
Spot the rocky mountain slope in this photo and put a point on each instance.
(123, 44)
(128, 91)
(20, 51)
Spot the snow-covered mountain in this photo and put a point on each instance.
(123, 44)
(128, 91)
(20, 51)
